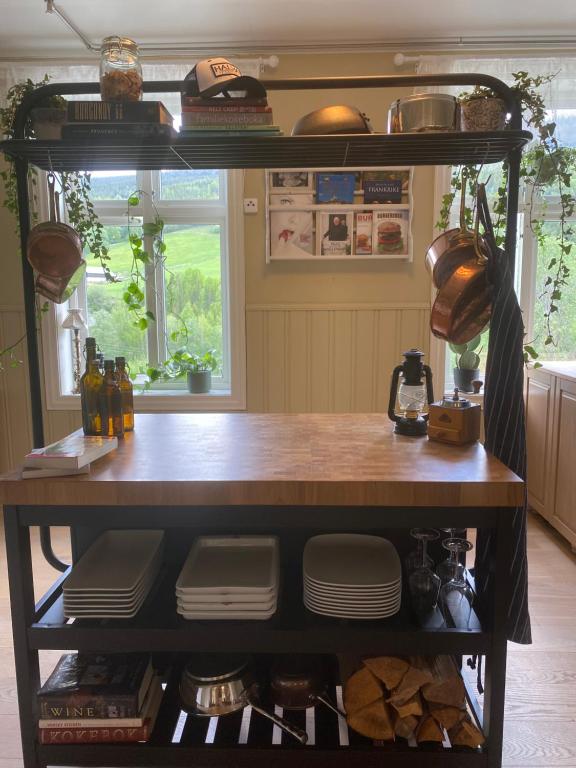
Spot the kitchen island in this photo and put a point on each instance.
(292, 475)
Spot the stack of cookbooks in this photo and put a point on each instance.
(92, 698)
(246, 116)
(107, 121)
(70, 456)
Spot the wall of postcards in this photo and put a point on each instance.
(334, 214)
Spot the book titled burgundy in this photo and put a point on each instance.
(118, 112)
(89, 685)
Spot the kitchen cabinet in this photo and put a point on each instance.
(551, 442)
(288, 475)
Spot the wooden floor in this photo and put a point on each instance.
(540, 730)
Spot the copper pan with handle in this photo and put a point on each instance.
(450, 249)
(463, 303)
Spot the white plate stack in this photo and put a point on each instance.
(114, 576)
(352, 576)
(229, 577)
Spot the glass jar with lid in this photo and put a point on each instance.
(120, 70)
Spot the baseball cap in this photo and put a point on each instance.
(210, 77)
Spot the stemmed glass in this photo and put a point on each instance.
(456, 595)
(419, 557)
(445, 569)
(423, 582)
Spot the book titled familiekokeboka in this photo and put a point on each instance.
(90, 685)
(118, 112)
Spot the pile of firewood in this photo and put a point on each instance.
(416, 696)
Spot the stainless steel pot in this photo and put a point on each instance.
(298, 682)
(216, 684)
(424, 112)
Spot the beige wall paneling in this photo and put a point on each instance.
(15, 422)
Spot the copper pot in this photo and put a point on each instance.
(451, 249)
(464, 302)
(298, 682)
(54, 249)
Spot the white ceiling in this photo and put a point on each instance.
(26, 29)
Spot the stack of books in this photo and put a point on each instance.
(249, 116)
(70, 456)
(109, 120)
(96, 698)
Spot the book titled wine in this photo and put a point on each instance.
(363, 233)
(111, 731)
(335, 187)
(72, 452)
(85, 685)
(334, 233)
(118, 112)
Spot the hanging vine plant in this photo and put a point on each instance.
(546, 164)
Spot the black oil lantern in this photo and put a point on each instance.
(410, 396)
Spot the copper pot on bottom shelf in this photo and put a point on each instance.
(299, 682)
(219, 684)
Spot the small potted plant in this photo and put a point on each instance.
(196, 367)
(49, 117)
(482, 110)
(467, 362)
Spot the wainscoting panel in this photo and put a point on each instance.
(15, 422)
(328, 358)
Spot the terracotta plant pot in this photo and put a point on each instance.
(463, 378)
(199, 382)
(487, 114)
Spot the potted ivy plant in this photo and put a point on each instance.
(467, 361)
(197, 368)
(49, 117)
(482, 110)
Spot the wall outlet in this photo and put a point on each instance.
(250, 205)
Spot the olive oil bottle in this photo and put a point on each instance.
(110, 403)
(90, 384)
(127, 394)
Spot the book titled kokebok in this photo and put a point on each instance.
(72, 452)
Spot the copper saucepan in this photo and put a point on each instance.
(298, 682)
(54, 249)
(451, 249)
(464, 302)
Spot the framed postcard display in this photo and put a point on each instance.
(333, 214)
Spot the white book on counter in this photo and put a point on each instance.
(29, 472)
(72, 452)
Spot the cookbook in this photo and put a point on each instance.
(334, 233)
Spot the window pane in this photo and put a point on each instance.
(194, 286)
(564, 321)
(190, 185)
(108, 319)
(113, 185)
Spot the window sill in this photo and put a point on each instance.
(177, 402)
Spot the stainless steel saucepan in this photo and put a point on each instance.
(217, 684)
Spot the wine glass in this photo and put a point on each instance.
(456, 595)
(452, 565)
(419, 557)
(423, 582)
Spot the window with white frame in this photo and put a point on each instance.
(197, 292)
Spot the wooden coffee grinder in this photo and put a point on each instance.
(454, 420)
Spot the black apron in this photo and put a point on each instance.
(505, 429)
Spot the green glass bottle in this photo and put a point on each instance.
(90, 384)
(127, 391)
(110, 403)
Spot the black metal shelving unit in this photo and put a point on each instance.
(157, 628)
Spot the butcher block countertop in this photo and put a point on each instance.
(276, 459)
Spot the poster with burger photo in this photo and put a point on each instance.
(390, 234)
(334, 233)
(363, 245)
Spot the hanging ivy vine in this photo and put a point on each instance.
(545, 164)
